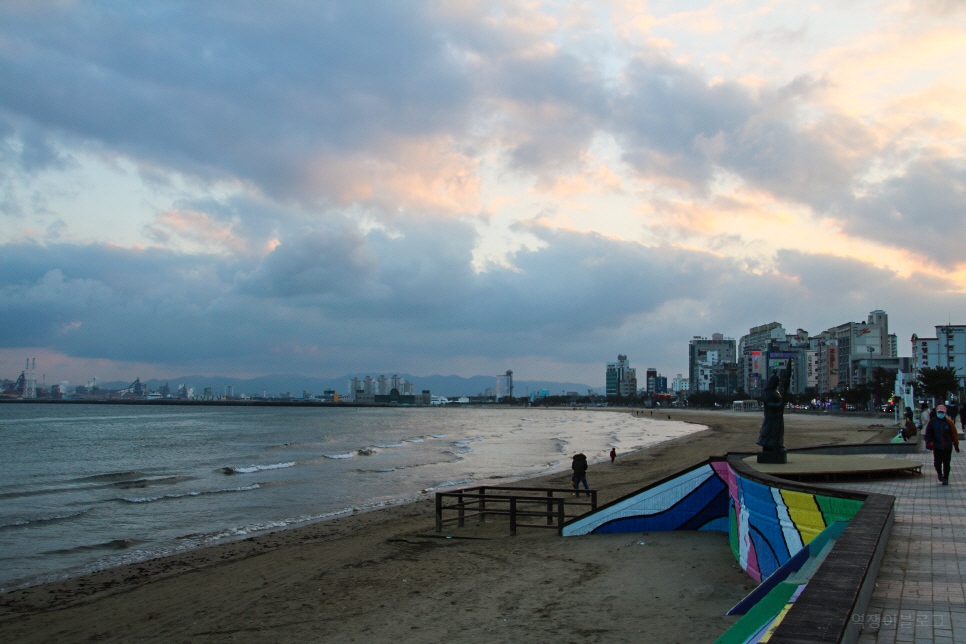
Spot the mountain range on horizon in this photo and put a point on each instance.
(295, 385)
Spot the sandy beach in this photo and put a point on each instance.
(387, 576)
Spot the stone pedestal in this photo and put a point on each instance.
(779, 458)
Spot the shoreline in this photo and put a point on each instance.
(392, 555)
(123, 556)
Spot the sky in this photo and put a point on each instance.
(463, 187)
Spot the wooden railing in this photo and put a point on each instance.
(519, 503)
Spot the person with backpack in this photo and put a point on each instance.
(941, 437)
(579, 465)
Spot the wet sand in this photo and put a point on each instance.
(386, 576)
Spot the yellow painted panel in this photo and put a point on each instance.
(804, 513)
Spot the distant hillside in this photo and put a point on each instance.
(273, 385)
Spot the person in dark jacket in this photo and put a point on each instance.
(579, 466)
(952, 411)
(909, 430)
(942, 434)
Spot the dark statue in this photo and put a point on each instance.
(772, 435)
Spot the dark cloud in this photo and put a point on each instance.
(817, 272)
(314, 264)
(559, 104)
(232, 89)
(306, 107)
(922, 210)
(669, 116)
(411, 288)
(327, 299)
(675, 124)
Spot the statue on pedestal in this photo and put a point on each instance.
(772, 435)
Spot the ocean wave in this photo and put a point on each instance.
(445, 484)
(96, 483)
(339, 456)
(390, 446)
(19, 523)
(114, 544)
(40, 492)
(252, 528)
(289, 446)
(145, 482)
(112, 476)
(150, 499)
(414, 440)
(251, 469)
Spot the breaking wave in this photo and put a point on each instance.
(251, 469)
(162, 497)
(19, 523)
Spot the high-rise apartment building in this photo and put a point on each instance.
(947, 349)
(855, 342)
(711, 362)
(752, 370)
(621, 378)
(680, 383)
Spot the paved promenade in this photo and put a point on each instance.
(919, 595)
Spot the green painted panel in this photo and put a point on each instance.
(834, 509)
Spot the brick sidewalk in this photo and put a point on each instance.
(919, 594)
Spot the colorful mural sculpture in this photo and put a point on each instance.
(767, 525)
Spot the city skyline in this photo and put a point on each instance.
(619, 376)
(463, 188)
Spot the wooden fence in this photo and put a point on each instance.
(519, 503)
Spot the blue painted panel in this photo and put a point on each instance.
(707, 502)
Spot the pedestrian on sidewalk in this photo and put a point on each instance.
(924, 416)
(952, 410)
(942, 435)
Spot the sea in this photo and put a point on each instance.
(87, 487)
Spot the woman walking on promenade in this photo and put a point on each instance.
(942, 434)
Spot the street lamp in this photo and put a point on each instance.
(868, 378)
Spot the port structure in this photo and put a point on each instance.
(507, 379)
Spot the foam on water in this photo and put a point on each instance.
(151, 499)
(251, 469)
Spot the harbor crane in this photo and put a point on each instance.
(508, 379)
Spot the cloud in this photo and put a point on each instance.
(356, 290)
(316, 185)
(210, 90)
(921, 210)
(669, 113)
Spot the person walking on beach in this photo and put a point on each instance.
(613, 454)
(942, 435)
(579, 466)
